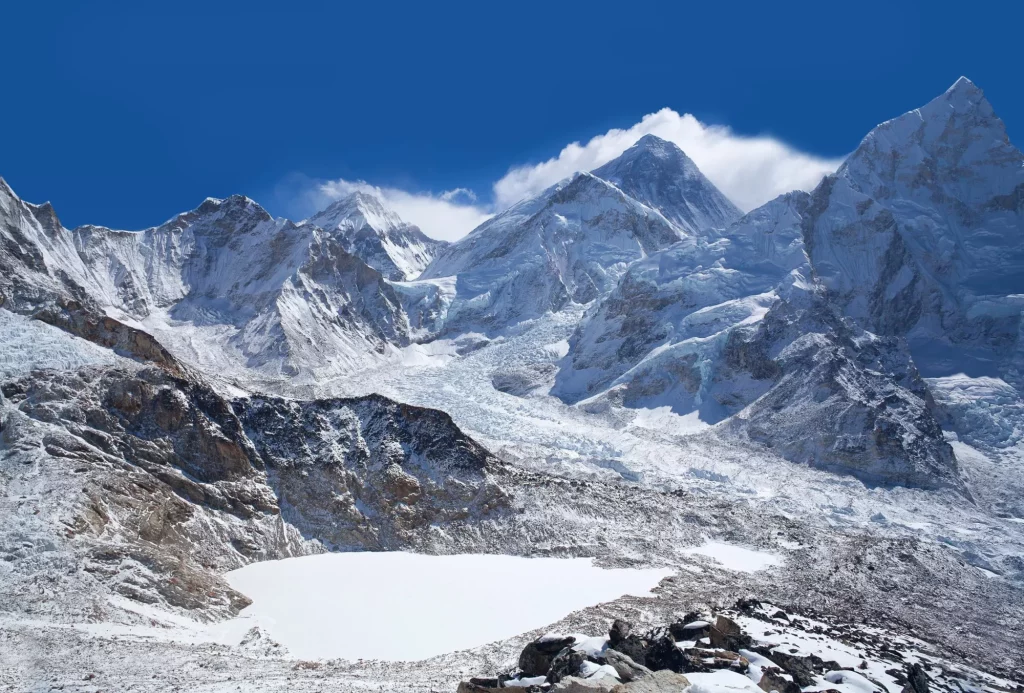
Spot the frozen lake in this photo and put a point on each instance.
(403, 606)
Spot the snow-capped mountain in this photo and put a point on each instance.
(735, 326)
(920, 232)
(680, 303)
(372, 231)
(225, 286)
(622, 368)
(568, 244)
(658, 173)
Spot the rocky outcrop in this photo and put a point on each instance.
(162, 484)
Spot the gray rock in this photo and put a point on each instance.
(658, 682)
(624, 666)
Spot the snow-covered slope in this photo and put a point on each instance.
(376, 234)
(567, 245)
(736, 327)
(921, 233)
(678, 305)
(225, 286)
(657, 173)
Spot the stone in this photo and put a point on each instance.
(772, 679)
(662, 653)
(566, 663)
(658, 682)
(574, 684)
(633, 646)
(624, 666)
(698, 659)
(917, 679)
(690, 630)
(620, 630)
(470, 687)
(727, 635)
(536, 657)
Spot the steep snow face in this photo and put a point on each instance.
(660, 175)
(671, 312)
(568, 245)
(920, 234)
(372, 231)
(225, 286)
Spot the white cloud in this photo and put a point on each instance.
(452, 195)
(439, 216)
(749, 170)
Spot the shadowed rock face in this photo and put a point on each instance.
(168, 483)
(369, 472)
(839, 398)
(919, 233)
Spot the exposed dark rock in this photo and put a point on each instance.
(566, 663)
(690, 630)
(917, 679)
(662, 653)
(619, 631)
(772, 679)
(727, 635)
(633, 646)
(536, 657)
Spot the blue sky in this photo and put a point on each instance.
(124, 115)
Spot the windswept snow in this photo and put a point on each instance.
(401, 606)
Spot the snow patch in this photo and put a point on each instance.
(399, 606)
(736, 557)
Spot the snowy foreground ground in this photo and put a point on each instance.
(748, 523)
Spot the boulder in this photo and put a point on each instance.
(726, 634)
(697, 659)
(620, 630)
(772, 679)
(633, 646)
(917, 680)
(658, 682)
(690, 630)
(575, 684)
(624, 666)
(536, 657)
(662, 653)
(566, 663)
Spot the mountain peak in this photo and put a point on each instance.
(357, 210)
(934, 145)
(374, 232)
(659, 174)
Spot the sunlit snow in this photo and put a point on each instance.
(736, 557)
(403, 606)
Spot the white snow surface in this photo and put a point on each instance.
(737, 557)
(402, 606)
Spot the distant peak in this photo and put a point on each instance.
(235, 204)
(649, 141)
(963, 85)
(963, 97)
(357, 209)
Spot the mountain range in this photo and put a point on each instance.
(228, 387)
